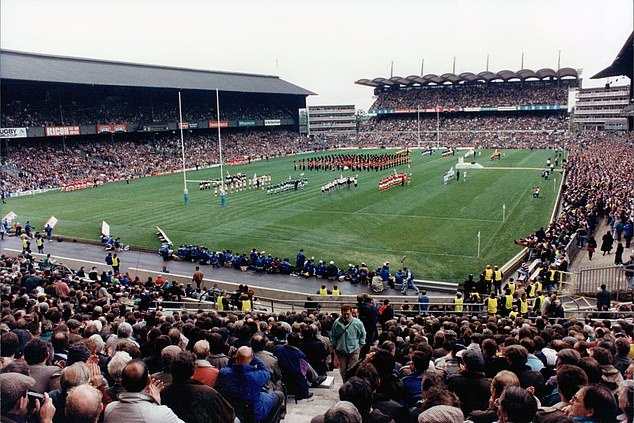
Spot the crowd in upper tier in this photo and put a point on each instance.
(473, 95)
(105, 108)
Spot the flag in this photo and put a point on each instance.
(478, 234)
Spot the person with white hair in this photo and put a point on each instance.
(83, 404)
(74, 375)
(124, 332)
(115, 368)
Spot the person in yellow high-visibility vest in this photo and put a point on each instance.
(245, 303)
(514, 313)
(511, 286)
(492, 304)
(523, 302)
(488, 277)
(221, 301)
(497, 279)
(323, 290)
(508, 302)
(458, 301)
(335, 290)
(538, 287)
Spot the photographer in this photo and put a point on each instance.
(18, 405)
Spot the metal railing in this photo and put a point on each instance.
(589, 280)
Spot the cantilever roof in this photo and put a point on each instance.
(466, 77)
(622, 65)
(44, 68)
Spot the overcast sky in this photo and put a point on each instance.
(326, 45)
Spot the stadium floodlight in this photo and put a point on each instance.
(180, 115)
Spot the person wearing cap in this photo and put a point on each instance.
(441, 414)
(14, 407)
(470, 384)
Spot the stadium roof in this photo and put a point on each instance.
(622, 65)
(467, 77)
(44, 68)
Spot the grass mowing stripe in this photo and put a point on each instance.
(434, 225)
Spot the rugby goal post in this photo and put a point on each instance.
(105, 228)
(52, 221)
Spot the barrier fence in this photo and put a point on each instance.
(574, 308)
(588, 280)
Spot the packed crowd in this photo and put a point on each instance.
(31, 165)
(473, 95)
(106, 109)
(82, 347)
(546, 122)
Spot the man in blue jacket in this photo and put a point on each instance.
(244, 380)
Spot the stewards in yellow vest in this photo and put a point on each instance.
(514, 313)
(523, 302)
(323, 290)
(511, 286)
(220, 302)
(458, 301)
(531, 289)
(335, 290)
(492, 304)
(246, 303)
(538, 287)
(488, 274)
(497, 275)
(508, 302)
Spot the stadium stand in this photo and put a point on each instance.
(512, 359)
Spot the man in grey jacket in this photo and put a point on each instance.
(142, 401)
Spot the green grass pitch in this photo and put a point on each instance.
(434, 225)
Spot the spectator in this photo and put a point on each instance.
(205, 372)
(46, 377)
(168, 354)
(341, 412)
(517, 405)
(569, 380)
(117, 363)
(499, 382)
(348, 336)
(258, 344)
(14, 405)
(592, 403)
(294, 367)
(83, 405)
(470, 384)
(243, 381)
(441, 414)
(412, 391)
(191, 400)
(358, 392)
(141, 403)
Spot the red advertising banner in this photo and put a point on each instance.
(183, 125)
(61, 131)
(216, 124)
(117, 127)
